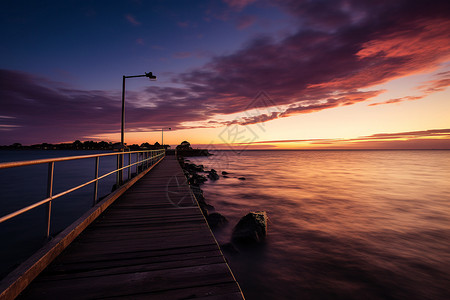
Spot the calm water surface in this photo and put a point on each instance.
(343, 224)
(22, 236)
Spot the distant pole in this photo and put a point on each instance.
(162, 136)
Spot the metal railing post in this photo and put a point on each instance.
(118, 173)
(122, 164)
(137, 158)
(97, 160)
(51, 167)
(129, 166)
(146, 160)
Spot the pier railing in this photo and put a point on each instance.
(143, 161)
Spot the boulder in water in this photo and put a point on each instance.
(252, 228)
(213, 175)
(216, 220)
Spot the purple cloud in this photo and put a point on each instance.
(132, 20)
(34, 110)
(238, 4)
(245, 21)
(338, 49)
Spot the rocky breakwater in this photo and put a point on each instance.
(195, 175)
(251, 228)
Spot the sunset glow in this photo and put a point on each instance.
(231, 74)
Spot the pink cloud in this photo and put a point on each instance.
(245, 21)
(328, 59)
(132, 20)
(398, 100)
(436, 85)
(182, 54)
(239, 4)
(426, 139)
(183, 24)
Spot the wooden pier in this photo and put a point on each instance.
(151, 243)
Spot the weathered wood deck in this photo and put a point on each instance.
(152, 243)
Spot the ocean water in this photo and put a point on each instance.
(22, 236)
(342, 224)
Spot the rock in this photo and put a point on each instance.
(216, 220)
(251, 228)
(241, 178)
(198, 193)
(229, 248)
(192, 168)
(225, 173)
(225, 176)
(213, 175)
(204, 209)
(196, 179)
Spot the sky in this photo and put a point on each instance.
(231, 74)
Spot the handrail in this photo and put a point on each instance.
(48, 160)
(51, 162)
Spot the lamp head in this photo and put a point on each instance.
(150, 76)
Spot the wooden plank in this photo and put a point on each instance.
(122, 284)
(59, 267)
(227, 290)
(145, 245)
(72, 257)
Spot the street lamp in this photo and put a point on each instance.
(162, 136)
(121, 160)
(151, 77)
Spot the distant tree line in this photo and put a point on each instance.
(86, 145)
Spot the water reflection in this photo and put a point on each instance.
(343, 224)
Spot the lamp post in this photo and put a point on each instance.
(122, 131)
(162, 136)
(151, 77)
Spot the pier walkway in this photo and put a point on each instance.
(151, 243)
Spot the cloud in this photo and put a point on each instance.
(439, 84)
(337, 50)
(425, 139)
(398, 100)
(313, 65)
(182, 54)
(238, 4)
(183, 24)
(132, 20)
(245, 21)
(36, 110)
(436, 85)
